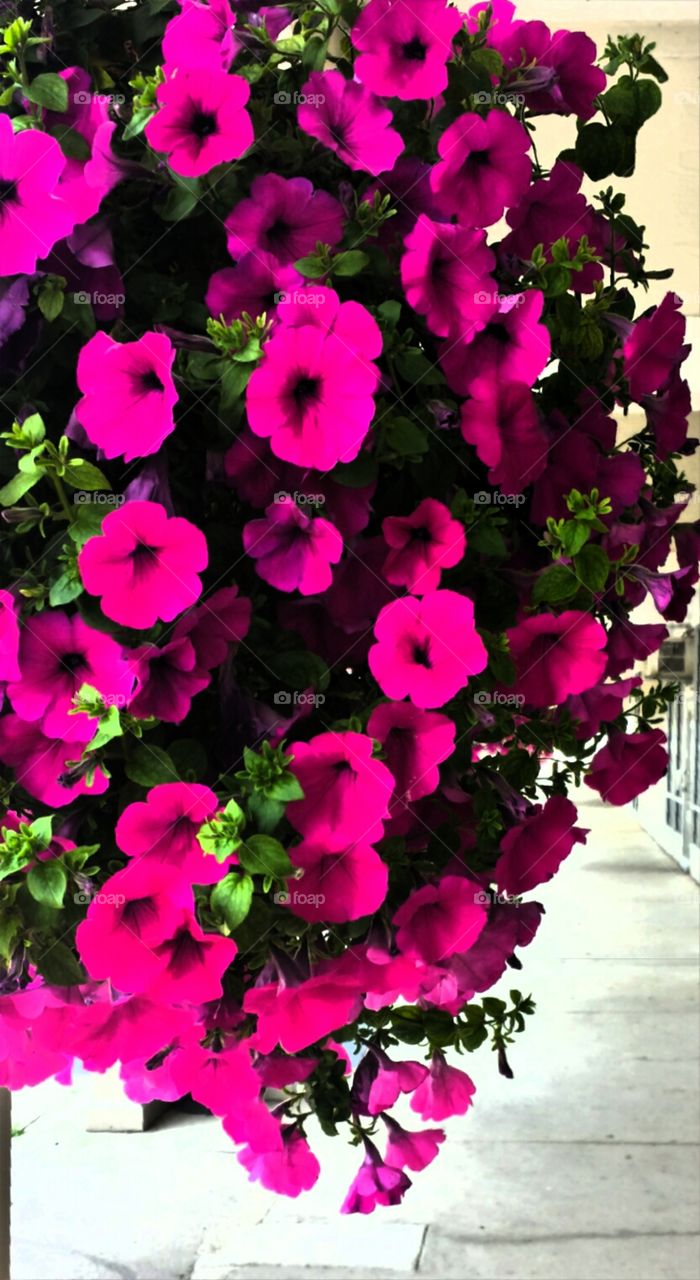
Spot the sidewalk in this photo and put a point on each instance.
(584, 1166)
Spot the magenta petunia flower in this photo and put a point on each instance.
(552, 208)
(257, 284)
(630, 642)
(293, 551)
(483, 167)
(58, 654)
(312, 393)
(350, 120)
(422, 545)
(627, 765)
(295, 1017)
(168, 678)
(201, 36)
(533, 851)
(9, 638)
(344, 885)
(33, 217)
(407, 1149)
(162, 829)
(379, 1081)
(502, 423)
(408, 183)
(574, 81)
(144, 565)
(415, 743)
(375, 1183)
(215, 625)
(201, 121)
(346, 791)
(215, 1077)
(285, 217)
(654, 347)
(192, 964)
(134, 911)
(440, 920)
(426, 649)
(557, 656)
(445, 276)
(288, 1170)
(128, 394)
(46, 767)
(514, 347)
(404, 46)
(446, 1092)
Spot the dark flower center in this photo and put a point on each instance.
(150, 381)
(143, 555)
(73, 662)
(203, 124)
(498, 332)
(8, 192)
(422, 534)
(421, 656)
(277, 232)
(478, 159)
(139, 912)
(414, 50)
(305, 391)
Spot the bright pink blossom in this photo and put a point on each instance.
(145, 564)
(427, 649)
(415, 743)
(379, 1081)
(345, 885)
(128, 394)
(407, 1149)
(627, 765)
(445, 277)
(202, 36)
(168, 679)
(9, 638)
(350, 120)
(514, 347)
(285, 217)
(33, 217)
(502, 423)
(219, 1076)
(446, 1092)
(404, 45)
(255, 285)
(163, 829)
(574, 81)
(533, 851)
(288, 1169)
(483, 167)
(201, 121)
(654, 347)
(296, 1017)
(293, 551)
(346, 790)
(556, 656)
(48, 768)
(422, 544)
(214, 626)
(440, 920)
(375, 1183)
(192, 964)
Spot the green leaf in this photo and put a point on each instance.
(48, 90)
(390, 313)
(137, 123)
(355, 475)
(630, 102)
(350, 263)
(50, 299)
(65, 588)
(18, 486)
(263, 855)
(149, 766)
(593, 567)
(233, 384)
(181, 200)
(80, 474)
(300, 669)
(555, 584)
(72, 143)
(285, 789)
(87, 522)
(406, 437)
(59, 966)
(311, 266)
(109, 727)
(46, 881)
(231, 899)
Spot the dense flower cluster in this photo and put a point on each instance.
(321, 542)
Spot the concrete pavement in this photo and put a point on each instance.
(584, 1167)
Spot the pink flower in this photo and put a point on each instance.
(446, 1092)
(375, 1183)
(201, 121)
(627, 765)
(599, 704)
(256, 285)
(162, 829)
(133, 912)
(654, 347)
(575, 81)
(46, 767)
(483, 168)
(438, 920)
(58, 654)
(632, 642)
(293, 551)
(556, 656)
(345, 885)
(427, 648)
(422, 544)
(501, 422)
(9, 638)
(285, 217)
(215, 625)
(288, 1170)
(533, 851)
(168, 679)
(346, 790)
(201, 37)
(514, 346)
(296, 1017)
(312, 394)
(32, 215)
(192, 964)
(216, 1075)
(445, 276)
(128, 394)
(134, 1027)
(379, 1081)
(404, 46)
(144, 565)
(552, 208)
(350, 120)
(415, 744)
(409, 1150)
